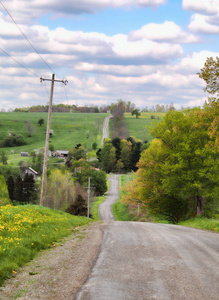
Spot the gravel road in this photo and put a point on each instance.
(152, 261)
(105, 133)
(105, 208)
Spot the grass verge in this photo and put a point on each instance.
(26, 230)
(95, 207)
(202, 223)
(120, 210)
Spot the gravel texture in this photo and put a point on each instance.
(57, 273)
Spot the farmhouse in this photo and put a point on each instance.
(60, 153)
(30, 171)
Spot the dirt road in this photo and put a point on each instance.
(105, 133)
(153, 261)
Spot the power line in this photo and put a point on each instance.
(26, 37)
(19, 63)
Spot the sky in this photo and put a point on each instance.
(144, 51)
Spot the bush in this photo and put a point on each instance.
(78, 208)
(13, 140)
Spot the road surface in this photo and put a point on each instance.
(152, 261)
(105, 133)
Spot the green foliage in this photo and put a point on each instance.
(78, 208)
(41, 121)
(178, 173)
(119, 209)
(136, 112)
(60, 190)
(202, 223)
(3, 158)
(4, 196)
(119, 155)
(26, 230)
(13, 140)
(75, 154)
(81, 171)
(210, 73)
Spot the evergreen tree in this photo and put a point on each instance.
(11, 187)
(18, 193)
(29, 191)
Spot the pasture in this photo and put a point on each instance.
(140, 127)
(69, 130)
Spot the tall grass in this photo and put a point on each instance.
(202, 223)
(26, 230)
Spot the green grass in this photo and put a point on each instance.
(139, 128)
(120, 210)
(202, 223)
(95, 207)
(26, 230)
(69, 129)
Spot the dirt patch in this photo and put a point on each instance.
(57, 273)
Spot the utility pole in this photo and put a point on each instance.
(47, 135)
(88, 198)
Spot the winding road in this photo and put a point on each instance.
(152, 261)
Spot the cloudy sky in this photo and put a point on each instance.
(144, 51)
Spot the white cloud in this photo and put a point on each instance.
(206, 18)
(25, 11)
(206, 7)
(203, 24)
(166, 32)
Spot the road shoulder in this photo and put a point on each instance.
(57, 273)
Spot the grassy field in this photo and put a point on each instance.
(139, 128)
(69, 130)
(26, 230)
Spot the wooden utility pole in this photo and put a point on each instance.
(47, 135)
(88, 198)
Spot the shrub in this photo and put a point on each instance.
(13, 140)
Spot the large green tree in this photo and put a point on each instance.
(178, 173)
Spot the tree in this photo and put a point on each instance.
(41, 121)
(81, 171)
(126, 151)
(11, 187)
(178, 173)
(108, 156)
(4, 158)
(136, 112)
(30, 128)
(18, 193)
(74, 154)
(29, 189)
(78, 208)
(4, 196)
(210, 74)
(60, 190)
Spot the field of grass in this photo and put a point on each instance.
(26, 230)
(69, 130)
(139, 128)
